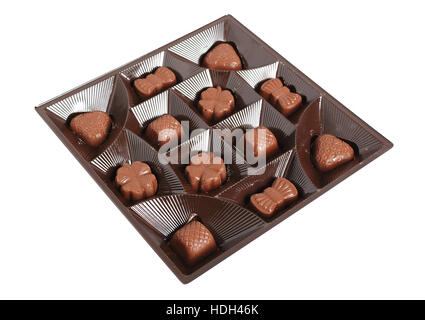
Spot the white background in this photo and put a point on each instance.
(61, 237)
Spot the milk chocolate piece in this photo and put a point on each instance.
(222, 57)
(280, 96)
(206, 172)
(275, 197)
(193, 242)
(262, 141)
(330, 152)
(216, 103)
(153, 83)
(136, 181)
(93, 127)
(164, 129)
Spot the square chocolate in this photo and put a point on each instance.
(193, 242)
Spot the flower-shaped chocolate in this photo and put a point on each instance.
(206, 172)
(215, 103)
(136, 181)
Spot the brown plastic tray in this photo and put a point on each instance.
(226, 211)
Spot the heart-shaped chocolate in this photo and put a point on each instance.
(93, 127)
(330, 152)
(222, 57)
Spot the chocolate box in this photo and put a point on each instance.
(226, 211)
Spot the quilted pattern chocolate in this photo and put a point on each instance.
(193, 242)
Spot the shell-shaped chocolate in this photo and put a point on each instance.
(222, 57)
(262, 141)
(163, 130)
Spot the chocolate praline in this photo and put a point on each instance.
(206, 172)
(93, 127)
(261, 140)
(330, 152)
(280, 96)
(193, 242)
(222, 57)
(163, 130)
(155, 82)
(215, 103)
(136, 181)
(281, 193)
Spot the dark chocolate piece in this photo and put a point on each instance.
(275, 197)
(330, 152)
(136, 181)
(263, 142)
(222, 57)
(164, 129)
(193, 242)
(93, 127)
(216, 103)
(153, 83)
(206, 172)
(280, 96)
